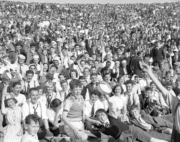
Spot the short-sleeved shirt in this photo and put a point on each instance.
(74, 107)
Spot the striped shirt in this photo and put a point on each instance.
(74, 107)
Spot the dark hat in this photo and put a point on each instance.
(129, 82)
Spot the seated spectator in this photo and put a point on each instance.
(32, 122)
(148, 123)
(122, 131)
(54, 117)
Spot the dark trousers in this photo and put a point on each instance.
(134, 133)
(41, 133)
(175, 137)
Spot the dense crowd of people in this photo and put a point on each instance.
(90, 72)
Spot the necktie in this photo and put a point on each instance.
(28, 87)
(92, 111)
(21, 69)
(35, 112)
(49, 99)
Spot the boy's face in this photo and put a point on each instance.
(148, 93)
(77, 91)
(102, 117)
(33, 128)
(94, 98)
(64, 86)
(135, 113)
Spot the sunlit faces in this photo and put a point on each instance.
(11, 103)
(21, 61)
(117, 90)
(153, 86)
(107, 78)
(73, 75)
(17, 89)
(129, 87)
(29, 76)
(34, 96)
(50, 88)
(94, 98)
(135, 113)
(45, 67)
(33, 128)
(94, 78)
(64, 86)
(77, 91)
(32, 49)
(61, 77)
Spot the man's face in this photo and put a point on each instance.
(129, 88)
(86, 72)
(50, 88)
(29, 77)
(34, 96)
(33, 128)
(17, 89)
(148, 93)
(93, 78)
(94, 98)
(107, 78)
(64, 86)
(102, 117)
(21, 61)
(153, 86)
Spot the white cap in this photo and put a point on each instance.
(53, 42)
(22, 56)
(151, 60)
(124, 62)
(175, 50)
(35, 57)
(56, 58)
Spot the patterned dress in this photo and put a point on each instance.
(13, 118)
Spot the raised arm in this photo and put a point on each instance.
(147, 69)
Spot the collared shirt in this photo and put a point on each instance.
(32, 84)
(159, 98)
(117, 104)
(63, 95)
(132, 99)
(22, 68)
(51, 96)
(28, 108)
(29, 138)
(89, 107)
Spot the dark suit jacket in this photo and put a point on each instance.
(115, 129)
(121, 71)
(92, 89)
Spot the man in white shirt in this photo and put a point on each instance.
(29, 82)
(33, 106)
(132, 97)
(91, 106)
(65, 91)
